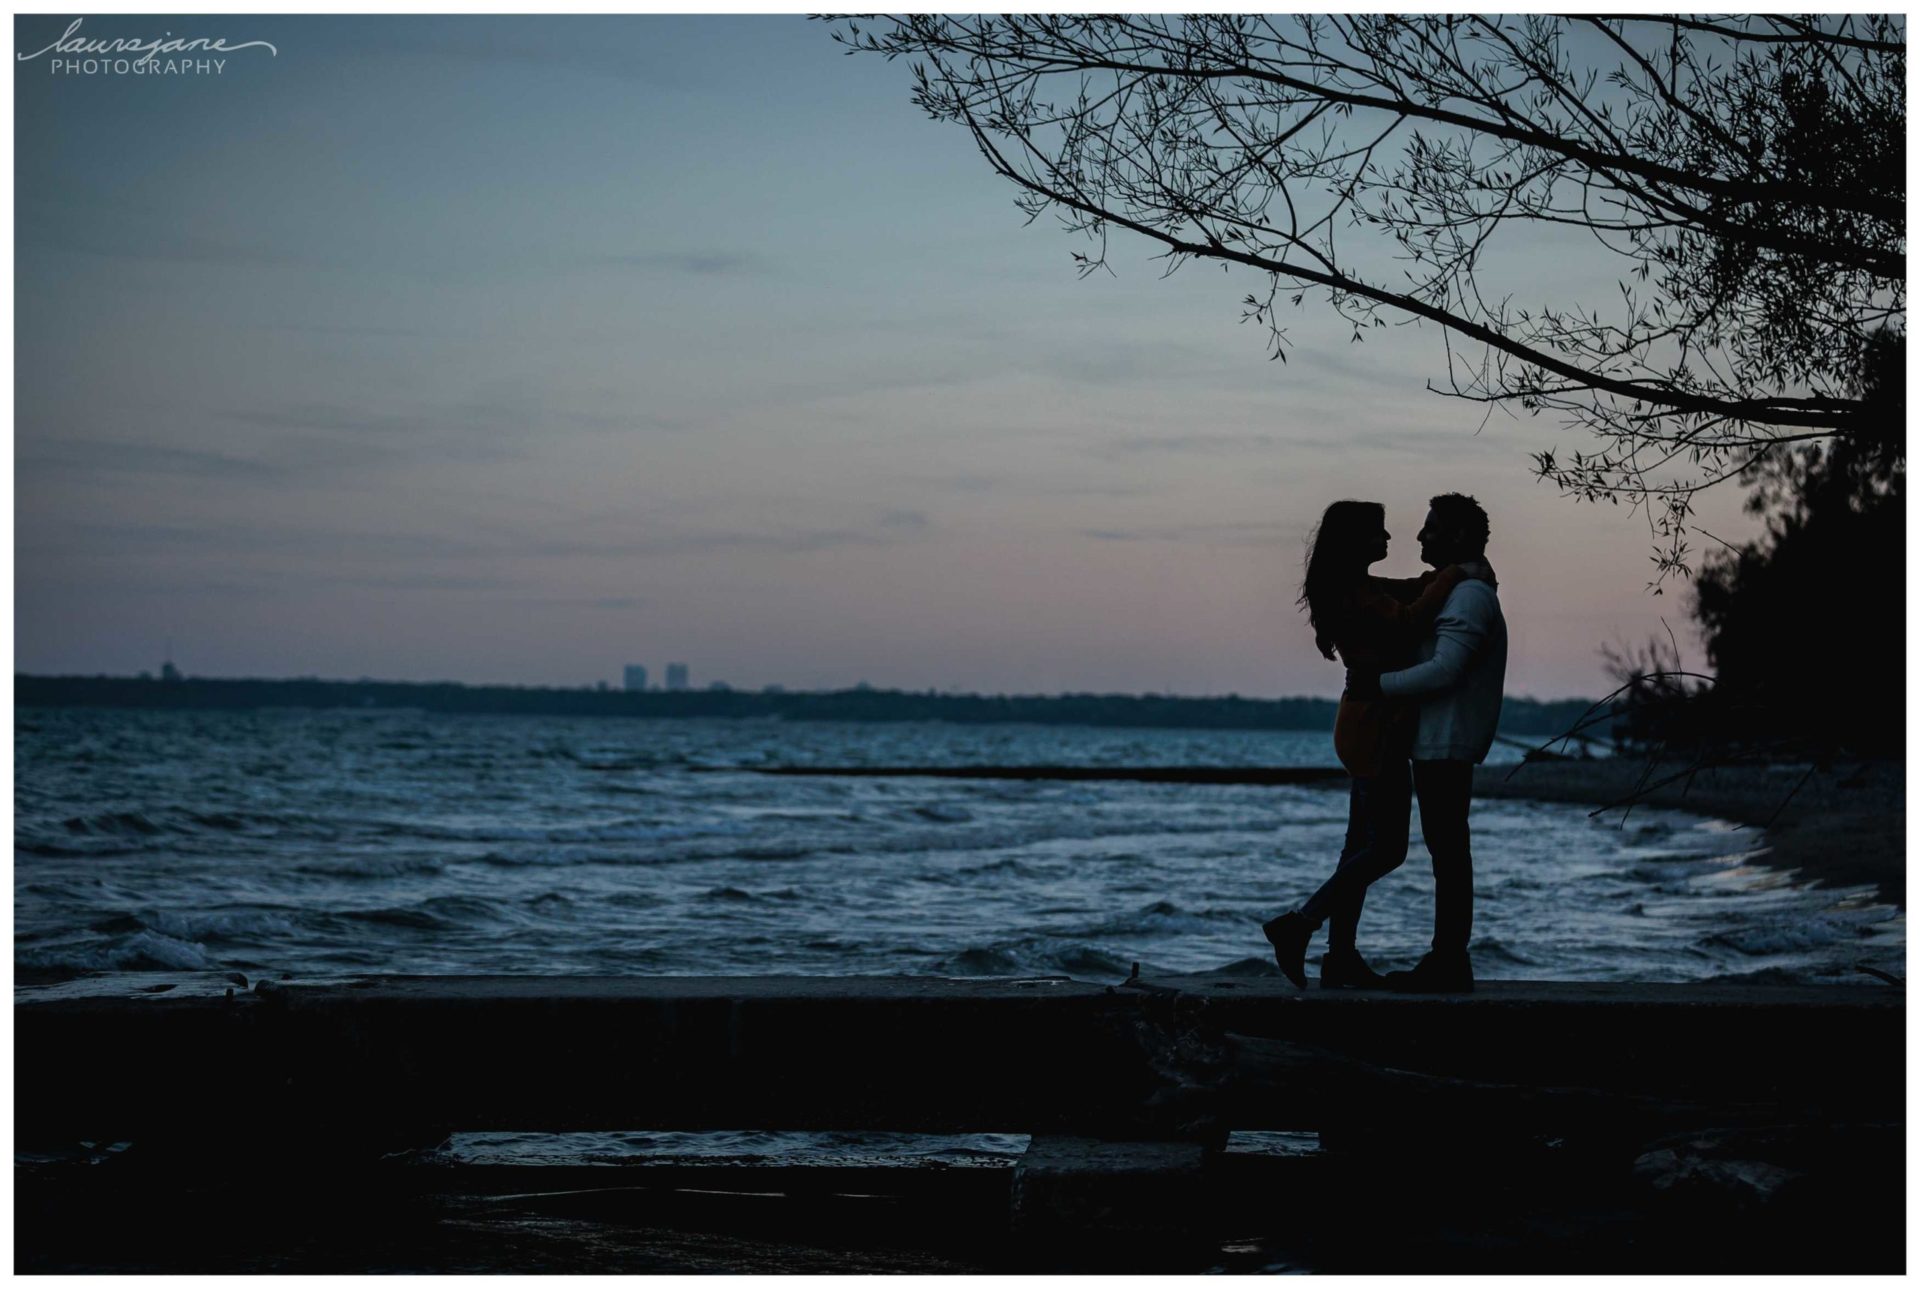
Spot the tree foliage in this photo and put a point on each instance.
(1805, 626)
(1817, 604)
(1747, 174)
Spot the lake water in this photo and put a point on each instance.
(313, 842)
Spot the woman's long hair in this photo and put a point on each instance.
(1336, 563)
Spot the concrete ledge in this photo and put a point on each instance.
(399, 1059)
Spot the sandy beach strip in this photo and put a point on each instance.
(1844, 825)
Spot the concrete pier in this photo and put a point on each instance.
(1764, 1114)
(126, 1054)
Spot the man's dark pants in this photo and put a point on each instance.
(1445, 790)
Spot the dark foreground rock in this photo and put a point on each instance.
(1526, 1126)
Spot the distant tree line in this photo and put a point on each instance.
(1522, 716)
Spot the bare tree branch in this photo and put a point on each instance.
(1747, 173)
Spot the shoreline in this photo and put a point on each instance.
(1843, 826)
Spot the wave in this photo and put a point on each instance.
(405, 918)
(610, 830)
(178, 819)
(633, 900)
(129, 832)
(1034, 956)
(142, 951)
(564, 856)
(99, 836)
(220, 821)
(58, 850)
(373, 866)
(1779, 937)
(441, 913)
(239, 925)
(997, 868)
(553, 857)
(1164, 917)
(943, 814)
(776, 850)
(1666, 868)
(466, 908)
(983, 961)
(809, 817)
(125, 823)
(735, 895)
(1084, 960)
(622, 956)
(1489, 949)
(225, 925)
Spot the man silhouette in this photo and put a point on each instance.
(1458, 678)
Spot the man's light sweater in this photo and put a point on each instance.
(1461, 672)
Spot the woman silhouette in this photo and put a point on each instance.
(1371, 624)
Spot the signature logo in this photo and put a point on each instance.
(98, 55)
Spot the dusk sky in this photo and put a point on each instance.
(516, 349)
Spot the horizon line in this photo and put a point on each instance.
(771, 690)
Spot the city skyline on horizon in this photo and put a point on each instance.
(467, 347)
(169, 670)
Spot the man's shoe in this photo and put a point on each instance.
(1289, 934)
(1437, 973)
(1346, 969)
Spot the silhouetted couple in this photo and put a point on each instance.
(1426, 658)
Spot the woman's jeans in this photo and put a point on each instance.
(1379, 811)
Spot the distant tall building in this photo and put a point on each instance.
(676, 675)
(170, 672)
(636, 676)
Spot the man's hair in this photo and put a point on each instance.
(1463, 515)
